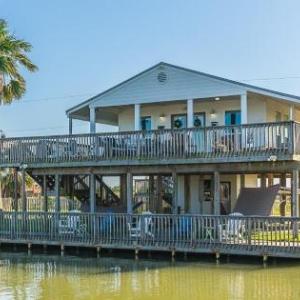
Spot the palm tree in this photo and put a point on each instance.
(13, 55)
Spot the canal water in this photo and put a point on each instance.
(41, 276)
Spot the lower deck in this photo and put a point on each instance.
(259, 236)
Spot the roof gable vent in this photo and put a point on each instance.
(162, 77)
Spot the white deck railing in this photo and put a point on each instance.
(252, 140)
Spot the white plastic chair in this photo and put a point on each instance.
(234, 228)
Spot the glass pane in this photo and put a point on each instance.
(232, 118)
(179, 121)
(146, 123)
(199, 119)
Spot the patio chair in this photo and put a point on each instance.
(141, 226)
(70, 224)
(234, 228)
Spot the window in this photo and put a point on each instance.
(233, 117)
(199, 120)
(179, 121)
(146, 123)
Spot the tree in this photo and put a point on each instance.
(13, 56)
(7, 182)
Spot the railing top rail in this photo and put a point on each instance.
(103, 214)
(160, 131)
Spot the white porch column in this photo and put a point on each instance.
(137, 117)
(70, 126)
(244, 109)
(92, 119)
(291, 112)
(190, 113)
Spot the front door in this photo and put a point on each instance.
(233, 117)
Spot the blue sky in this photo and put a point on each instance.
(84, 47)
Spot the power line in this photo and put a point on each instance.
(272, 78)
(69, 97)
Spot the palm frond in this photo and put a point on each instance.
(13, 55)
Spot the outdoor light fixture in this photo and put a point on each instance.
(162, 117)
(212, 113)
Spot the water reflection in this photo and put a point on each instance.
(55, 277)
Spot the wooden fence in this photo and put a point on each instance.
(273, 236)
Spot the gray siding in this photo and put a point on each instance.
(180, 84)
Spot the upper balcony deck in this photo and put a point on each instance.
(242, 143)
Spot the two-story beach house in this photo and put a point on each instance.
(187, 142)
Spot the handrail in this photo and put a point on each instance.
(147, 131)
(277, 236)
(249, 140)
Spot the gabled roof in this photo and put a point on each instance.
(248, 87)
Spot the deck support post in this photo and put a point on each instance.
(283, 196)
(92, 119)
(190, 113)
(158, 205)
(173, 253)
(201, 194)
(263, 180)
(122, 189)
(129, 192)
(70, 126)
(295, 200)
(57, 193)
(217, 196)
(152, 205)
(137, 117)
(98, 250)
(136, 254)
(175, 193)
(92, 193)
(242, 180)
(23, 190)
(217, 255)
(15, 204)
(265, 258)
(45, 194)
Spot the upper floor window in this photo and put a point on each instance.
(199, 119)
(146, 123)
(233, 117)
(180, 120)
